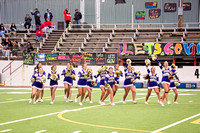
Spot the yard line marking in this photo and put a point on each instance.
(28, 118)
(39, 116)
(176, 123)
(20, 100)
(7, 130)
(41, 131)
(189, 101)
(77, 131)
(15, 92)
(15, 101)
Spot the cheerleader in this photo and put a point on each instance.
(54, 77)
(118, 73)
(69, 76)
(38, 66)
(102, 73)
(110, 81)
(89, 86)
(153, 83)
(130, 77)
(38, 79)
(165, 79)
(173, 83)
(82, 83)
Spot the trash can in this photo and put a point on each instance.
(60, 25)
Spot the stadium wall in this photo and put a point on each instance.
(22, 76)
(15, 10)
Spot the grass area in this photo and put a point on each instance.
(92, 118)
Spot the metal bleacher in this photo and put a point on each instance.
(106, 38)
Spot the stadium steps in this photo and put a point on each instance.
(51, 41)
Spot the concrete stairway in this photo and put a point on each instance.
(51, 41)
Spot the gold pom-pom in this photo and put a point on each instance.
(154, 57)
(128, 61)
(147, 62)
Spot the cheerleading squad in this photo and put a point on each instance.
(109, 82)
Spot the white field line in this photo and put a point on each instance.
(20, 100)
(39, 116)
(176, 123)
(41, 131)
(7, 130)
(77, 131)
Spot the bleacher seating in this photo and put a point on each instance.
(102, 40)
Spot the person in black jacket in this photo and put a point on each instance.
(37, 18)
(28, 20)
(13, 29)
(29, 48)
(15, 49)
(77, 18)
(48, 15)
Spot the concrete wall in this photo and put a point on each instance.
(22, 76)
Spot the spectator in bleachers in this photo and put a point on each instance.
(67, 17)
(37, 18)
(29, 48)
(77, 18)
(47, 25)
(28, 20)
(9, 44)
(48, 15)
(39, 34)
(1, 48)
(2, 30)
(5, 50)
(15, 49)
(13, 29)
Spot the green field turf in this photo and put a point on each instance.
(18, 116)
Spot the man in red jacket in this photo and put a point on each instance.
(47, 25)
(39, 34)
(67, 17)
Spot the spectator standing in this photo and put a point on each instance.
(47, 25)
(15, 49)
(13, 29)
(67, 17)
(29, 48)
(77, 18)
(37, 18)
(28, 20)
(2, 30)
(39, 34)
(48, 15)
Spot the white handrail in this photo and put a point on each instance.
(140, 25)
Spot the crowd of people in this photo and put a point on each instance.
(109, 82)
(10, 47)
